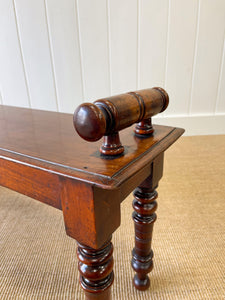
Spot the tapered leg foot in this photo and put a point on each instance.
(96, 271)
(144, 217)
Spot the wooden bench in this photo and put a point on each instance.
(43, 157)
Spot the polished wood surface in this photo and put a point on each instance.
(33, 182)
(144, 216)
(96, 271)
(91, 214)
(43, 157)
(106, 117)
(47, 140)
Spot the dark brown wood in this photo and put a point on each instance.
(46, 141)
(106, 117)
(33, 182)
(144, 217)
(111, 145)
(144, 127)
(43, 157)
(91, 214)
(96, 271)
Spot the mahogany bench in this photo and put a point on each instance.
(43, 157)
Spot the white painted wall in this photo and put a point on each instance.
(56, 54)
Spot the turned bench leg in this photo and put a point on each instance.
(144, 217)
(96, 271)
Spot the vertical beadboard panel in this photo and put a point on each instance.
(64, 37)
(55, 54)
(93, 29)
(180, 57)
(123, 28)
(220, 105)
(1, 95)
(35, 44)
(153, 42)
(208, 56)
(12, 78)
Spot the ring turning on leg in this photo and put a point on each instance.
(144, 217)
(96, 271)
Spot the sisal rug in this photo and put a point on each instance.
(38, 260)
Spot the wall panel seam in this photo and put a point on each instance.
(21, 54)
(195, 57)
(220, 76)
(51, 57)
(109, 46)
(1, 97)
(167, 42)
(138, 44)
(80, 49)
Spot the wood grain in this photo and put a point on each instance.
(47, 140)
(91, 214)
(144, 217)
(106, 117)
(96, 271)
(41, 156)
(33, 182)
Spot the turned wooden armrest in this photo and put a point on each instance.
(43, 157)
(106, 117)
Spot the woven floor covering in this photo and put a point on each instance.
(38, 260)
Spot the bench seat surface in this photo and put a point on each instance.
(49, 141)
